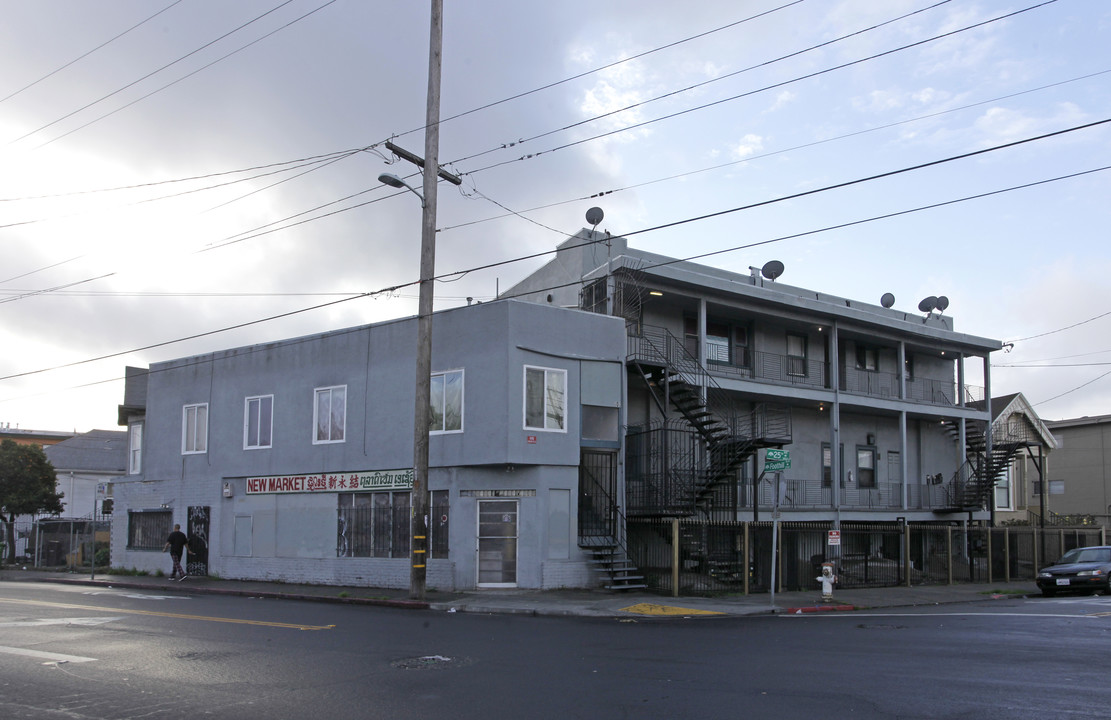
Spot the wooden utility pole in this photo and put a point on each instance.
(421, 414)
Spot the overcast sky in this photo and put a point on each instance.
(169, 176)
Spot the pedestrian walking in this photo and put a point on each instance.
(176, 543)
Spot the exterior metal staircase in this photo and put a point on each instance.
(600, 526)
(971, 486)
(689, 471)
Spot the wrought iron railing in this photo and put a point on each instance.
(730, 557)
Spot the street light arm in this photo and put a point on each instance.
(396, 182)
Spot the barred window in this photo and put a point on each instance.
(378, 525)
(148, 529)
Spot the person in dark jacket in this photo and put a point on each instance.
(176, 543)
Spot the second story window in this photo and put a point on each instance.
(258, 422)
(135, 448)
(796, 355)
(194, 430)
(447, 402)
(330, 414)
(545, 399)
(865, 467)
(867, 358)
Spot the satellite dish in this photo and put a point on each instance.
(942, 303)
(928, 304)
(594, 216)
(772, 269)
(887, 300)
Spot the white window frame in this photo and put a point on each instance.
(1005, 486)
(135, 448)
(330, 389)
(443, 413)
(259, 400)
(548, 373)
(198, 423)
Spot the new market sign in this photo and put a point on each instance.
(332, 482)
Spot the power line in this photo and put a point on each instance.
(394, 288)
(761, 156)
(689, 220)
(1068, 327)
(87, 54)
(1069, 392)
(603, 67)
(187, 75)
(689, 88)
(773, 86)
(153, 72)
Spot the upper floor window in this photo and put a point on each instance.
(447, 402)
(796, 355)
(194, 429)
(865, 467)
(908, 367)
(545, 399)
(135, 448)
(258, 422)
(867, 358)
(330, 414)
(827, 465)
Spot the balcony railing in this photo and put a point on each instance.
(739, 361)
(812, 494)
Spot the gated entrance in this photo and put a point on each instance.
(197, 531)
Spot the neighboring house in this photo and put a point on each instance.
(293, 460)
(1021, 443)
(82, 463)
(42, 438)
(1079, 487)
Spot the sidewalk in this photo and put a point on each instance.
(580, 603)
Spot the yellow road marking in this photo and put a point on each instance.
(179, 616)
(651, 609)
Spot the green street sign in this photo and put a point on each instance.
(777, 454)
(776, 465)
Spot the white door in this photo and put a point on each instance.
(497, 543)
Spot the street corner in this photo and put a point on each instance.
(652, 609)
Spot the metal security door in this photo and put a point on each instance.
(196, 562)
(497, 543)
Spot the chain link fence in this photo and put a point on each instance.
(56, 543)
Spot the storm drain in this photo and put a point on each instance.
(431, 662)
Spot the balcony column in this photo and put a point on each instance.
(902, 362)
(989, 432)
(835, 421)
(902, 351)
(903, 456)
(962, 425)
(701, 352)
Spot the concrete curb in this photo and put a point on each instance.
(818, 608)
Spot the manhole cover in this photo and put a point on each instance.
(431, 662)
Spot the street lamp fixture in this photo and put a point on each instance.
(396, 182)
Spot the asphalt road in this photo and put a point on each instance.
(77, 652)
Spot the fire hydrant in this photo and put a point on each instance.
(827, 578)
